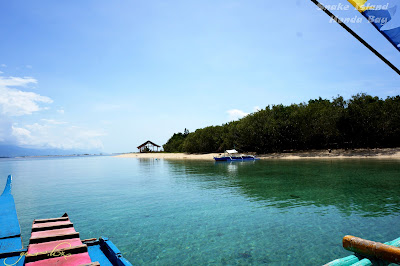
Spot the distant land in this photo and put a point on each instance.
(7, 151)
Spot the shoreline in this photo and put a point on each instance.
(385, 153)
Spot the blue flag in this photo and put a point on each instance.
(384, 15)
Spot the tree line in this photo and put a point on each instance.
(363, 121)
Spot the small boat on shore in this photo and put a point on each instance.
(53, 241)
(233, 155)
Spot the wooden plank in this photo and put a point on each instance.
(10, 244)
(37, 240)
(89, 240)
(51, 226)
(64, 252)
(96, 263)
(13, 253)
(77, 259)
(54, 245)
(53, 232)
(17, 260)
(50, 220)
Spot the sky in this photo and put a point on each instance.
(110, 75)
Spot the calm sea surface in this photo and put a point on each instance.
(164, 212)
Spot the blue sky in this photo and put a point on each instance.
(109, 75)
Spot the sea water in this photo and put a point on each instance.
(165, 212)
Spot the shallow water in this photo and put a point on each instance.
(164, 212)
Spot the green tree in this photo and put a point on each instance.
(360, 122)
(175, 143)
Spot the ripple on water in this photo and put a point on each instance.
(197, 212)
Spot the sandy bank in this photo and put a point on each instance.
(177, 156)
(389, 153)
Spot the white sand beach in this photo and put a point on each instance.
(172, 156)
(387, 153)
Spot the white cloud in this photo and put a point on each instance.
(54, 135)
(236, 114)
(53, 122)
(1, 72)
(16, 81)
(14, 102)
(3, 65)
(28, 66)
(46, 133)
(21, 132)
(5, 130)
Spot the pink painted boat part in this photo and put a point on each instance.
(53, 232)
(77, 259)
(53, 245)
(40, 225)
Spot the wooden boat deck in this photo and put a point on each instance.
(53, 241)
(52, 244)
(46, 247)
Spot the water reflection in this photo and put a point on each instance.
(232, 168)
(362, 187)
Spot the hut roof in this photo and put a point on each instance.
(148, 142)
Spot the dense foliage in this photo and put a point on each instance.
(363, 121)
(175, 143)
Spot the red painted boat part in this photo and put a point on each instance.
(57, 245)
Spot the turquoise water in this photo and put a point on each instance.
(162, 212)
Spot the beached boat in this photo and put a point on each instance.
(53, 241)
(233, 155)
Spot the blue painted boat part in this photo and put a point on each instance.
(235, 159)
(233, 155)
(346, 261)
(10, 231)
(105, 252)
(363, 262)
(395, 243)
(11, 247)
(15, 260)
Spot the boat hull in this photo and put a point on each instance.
(50, 240)
(10, 232)
(230, 159)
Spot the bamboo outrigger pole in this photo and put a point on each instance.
(355, 35)
(372, 249)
